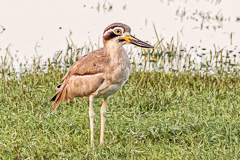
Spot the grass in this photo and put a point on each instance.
(156, 115)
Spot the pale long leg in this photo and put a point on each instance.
(103, 112)
(91, 117)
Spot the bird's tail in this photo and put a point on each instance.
(60, 96)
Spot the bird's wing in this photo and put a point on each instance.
(84, 77)
(90, 64)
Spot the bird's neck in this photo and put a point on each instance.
(114, 50)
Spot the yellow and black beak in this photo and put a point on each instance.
(135, 41)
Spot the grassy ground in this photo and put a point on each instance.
(155, 116)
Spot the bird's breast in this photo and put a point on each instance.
(119, 71)
(116, 72)
(115, 80)
(116, 76)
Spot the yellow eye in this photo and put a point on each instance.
(118, 31)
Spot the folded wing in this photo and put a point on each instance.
(83, 78)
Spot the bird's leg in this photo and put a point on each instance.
(91, 116)
(103, 112)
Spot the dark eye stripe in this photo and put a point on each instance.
(109, 35)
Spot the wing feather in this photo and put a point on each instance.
(90, 64)
(84, 77)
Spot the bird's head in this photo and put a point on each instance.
(121, 34)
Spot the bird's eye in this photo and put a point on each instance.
(118, 31)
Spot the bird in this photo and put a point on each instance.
(100, 74)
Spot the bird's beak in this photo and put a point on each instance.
(135, 41)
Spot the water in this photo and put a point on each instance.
(31, 29)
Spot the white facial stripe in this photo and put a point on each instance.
(125, 34)
(112, 30)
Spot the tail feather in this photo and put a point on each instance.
(59, 97)
(57, 102)
(54, 98)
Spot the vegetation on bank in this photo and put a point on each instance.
(157, 114)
